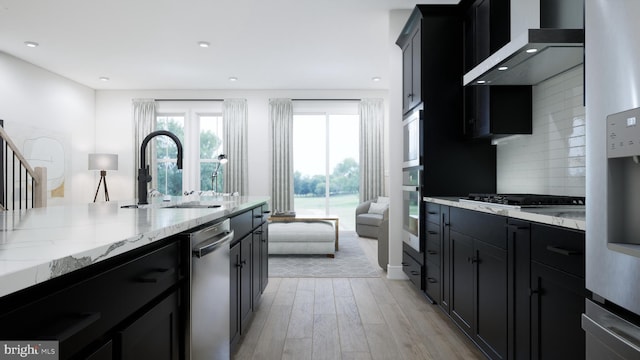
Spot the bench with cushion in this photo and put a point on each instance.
(316, 237)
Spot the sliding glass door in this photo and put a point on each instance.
(325, 161)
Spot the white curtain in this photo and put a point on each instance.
(234, 115)
(144, 114)
(281, 119)
(371, 148)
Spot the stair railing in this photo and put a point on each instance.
(21, 186)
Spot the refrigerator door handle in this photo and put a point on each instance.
(616, 339)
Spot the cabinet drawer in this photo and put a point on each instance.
(433, 213)
(433, 244)
(560, 248)
(259, 215)
(413, 269)
(485, 227)
(432, 281)
(242, 224)
(78, 314)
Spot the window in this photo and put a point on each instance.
(200, 131)
(325, 162)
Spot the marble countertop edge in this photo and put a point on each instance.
(549, 217)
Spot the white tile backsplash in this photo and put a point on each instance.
(552, 159)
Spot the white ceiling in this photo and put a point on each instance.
(153, 44)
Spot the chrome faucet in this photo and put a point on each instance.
(143, 173)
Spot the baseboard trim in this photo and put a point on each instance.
(395, 272)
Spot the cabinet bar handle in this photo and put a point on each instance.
(415, 272)
(431, 232)
(157, 275)
(432, 212)
(432, 280)
(431, 252)
(561, 251)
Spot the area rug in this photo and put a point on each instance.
(350, 261)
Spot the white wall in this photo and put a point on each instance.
(34, 97)
(397, 19)
(552, 159)
(114, 128)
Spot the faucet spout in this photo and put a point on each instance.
(143, 173)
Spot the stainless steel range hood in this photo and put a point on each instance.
(556, 50)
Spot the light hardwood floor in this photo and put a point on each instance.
(350, 318)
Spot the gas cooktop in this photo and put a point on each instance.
(526, 200)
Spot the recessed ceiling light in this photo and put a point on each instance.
(503, 68)
(103, 78)
(31, 44)
(376, 78)
(481, 82)
(203, 44)
(233, 78)
(532, 50)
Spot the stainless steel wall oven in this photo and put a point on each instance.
(411, 208)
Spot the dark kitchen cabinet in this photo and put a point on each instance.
(249, 267)
(445, 261)
(234, 298)
(515, 287)
(433, 235)
(557, 304)
(413, 265)
(478, 281)
(155, 335)
(264, 256)
(462, 281)
(519, 255)
(245, 266)
(497, 110)
(487, 28)
(411, 71)
(115, 309)
(438, 29)
(491, 110)
(557, 292)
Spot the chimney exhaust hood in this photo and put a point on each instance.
(556, 50)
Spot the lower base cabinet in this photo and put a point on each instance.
(249, 268)
(155, 335)
(515, 288)
(127, 307)
(557, 304)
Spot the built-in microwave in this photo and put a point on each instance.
(411, 207)
(412, 132)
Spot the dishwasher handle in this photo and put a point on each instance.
(208, 246)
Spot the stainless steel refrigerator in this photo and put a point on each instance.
(612, 88)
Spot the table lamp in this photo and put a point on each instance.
(103, 162)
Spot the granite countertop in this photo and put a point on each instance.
(569, 216)
(40, 244)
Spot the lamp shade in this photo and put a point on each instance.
(222, 159)
(103, 161)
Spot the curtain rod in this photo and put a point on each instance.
(188, 99)
(326, 99)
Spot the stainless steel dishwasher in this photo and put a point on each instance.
(207, 335)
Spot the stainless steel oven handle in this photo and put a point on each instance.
(616, 339)
(410, 188)
(210, 245)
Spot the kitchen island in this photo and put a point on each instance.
(106, 280)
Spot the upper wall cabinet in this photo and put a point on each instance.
(431, 56)
(486, 29)
(411, 61)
